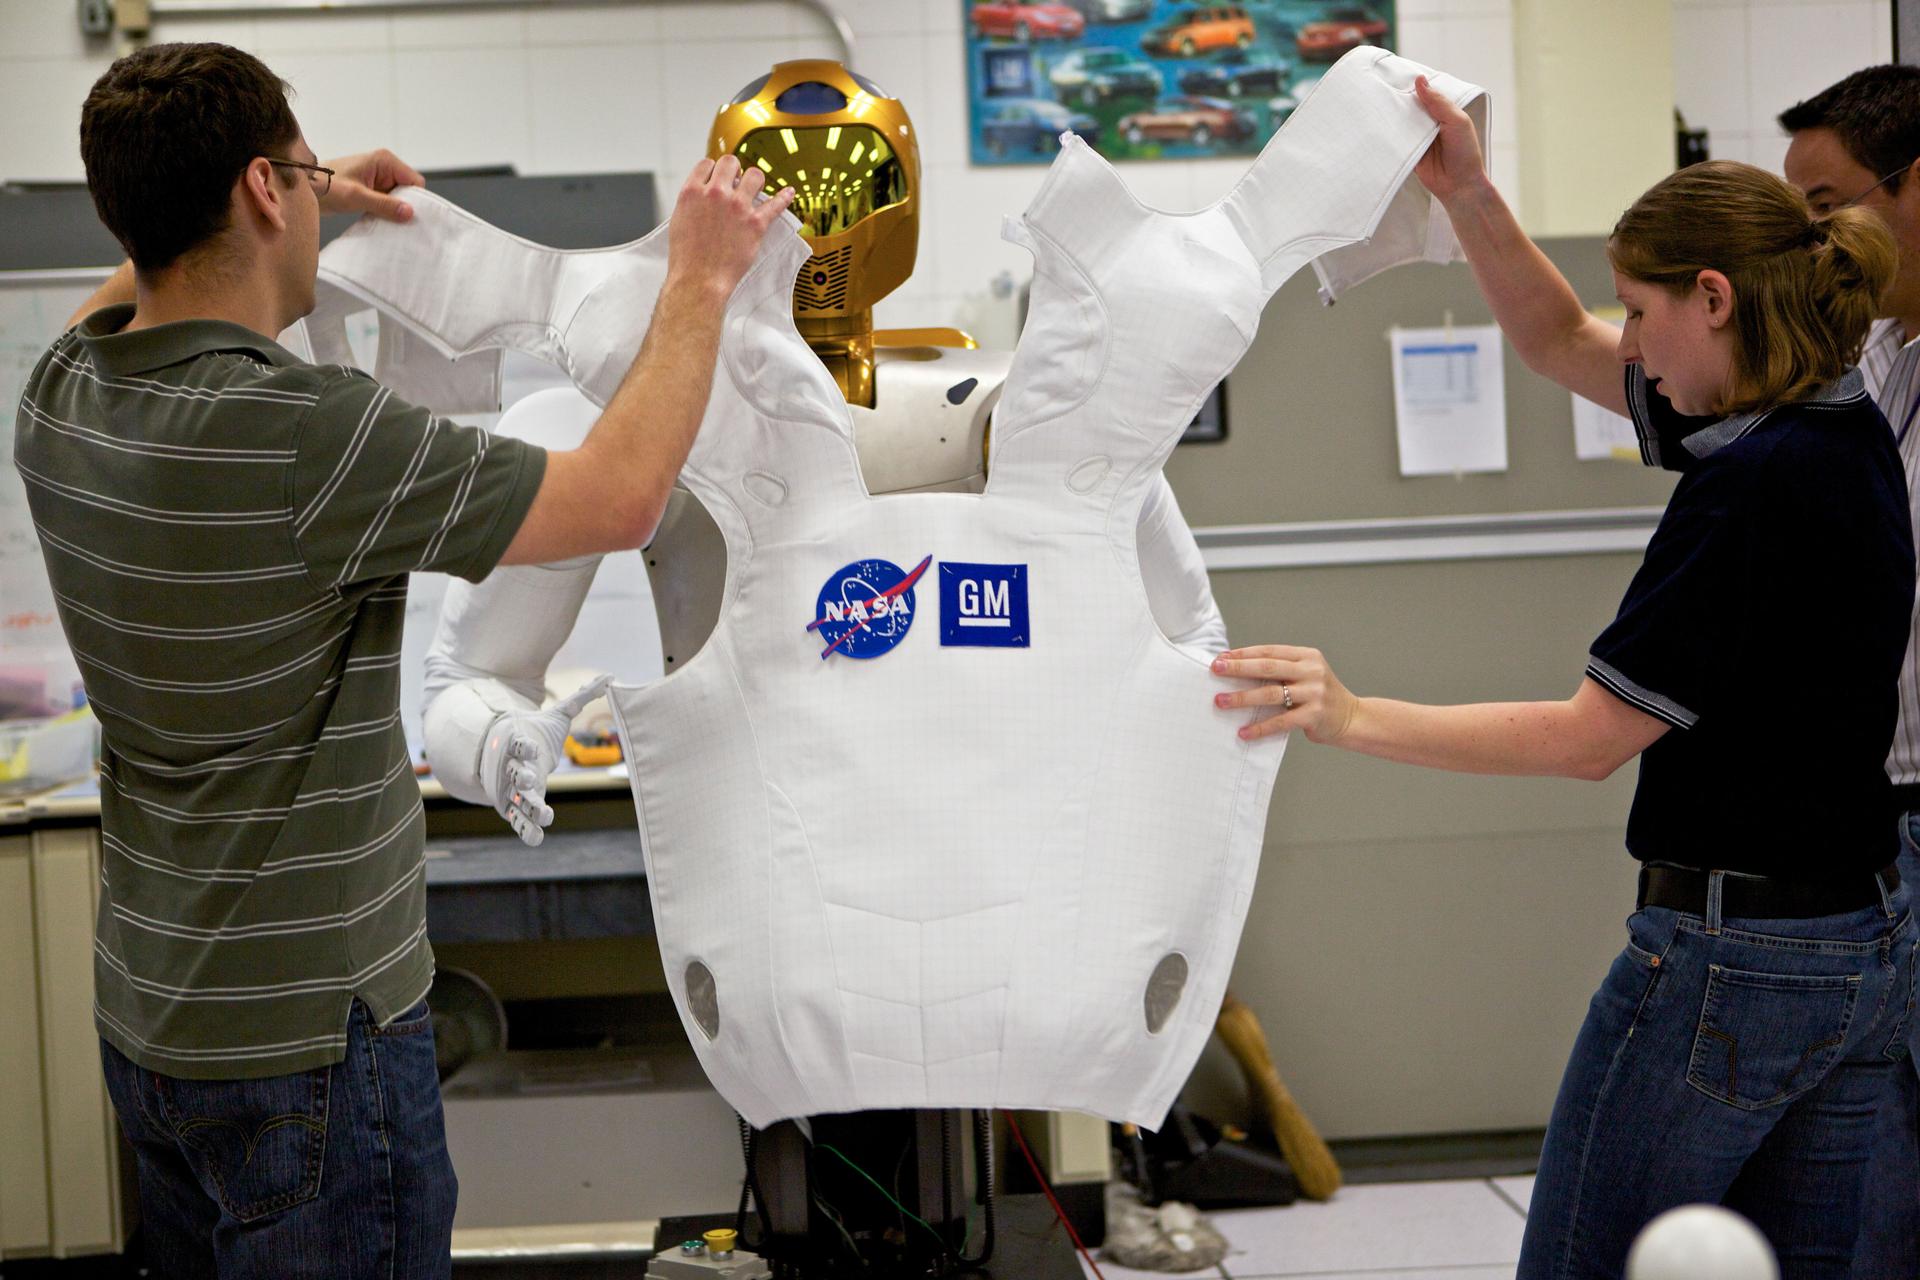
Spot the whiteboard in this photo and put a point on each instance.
(35, 666)
(617, 631)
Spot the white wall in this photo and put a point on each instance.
(1737, 64)
(559, 90)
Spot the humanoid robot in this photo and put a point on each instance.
(921, 402)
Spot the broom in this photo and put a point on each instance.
(1313, 1165)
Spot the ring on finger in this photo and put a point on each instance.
(1286, 698)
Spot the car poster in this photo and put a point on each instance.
(1150, 79)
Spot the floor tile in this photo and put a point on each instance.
(1422, 1226)
(1114, 1271)
(1518, 1190)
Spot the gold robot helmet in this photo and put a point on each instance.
(849, 153)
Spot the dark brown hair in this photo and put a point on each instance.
(164, 135)
(1804, 288)
(1874, 112)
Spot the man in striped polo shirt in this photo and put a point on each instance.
(229, 532)
(1858, 142)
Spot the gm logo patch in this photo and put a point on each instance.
(865, 608)
(983, 606)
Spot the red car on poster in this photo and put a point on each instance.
(1025, 20)
(1339, 33)
(1187, 119)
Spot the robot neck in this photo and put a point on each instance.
(845, 345)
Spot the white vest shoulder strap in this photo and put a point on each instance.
(1136, 314)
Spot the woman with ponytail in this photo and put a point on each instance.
(1741, 1042)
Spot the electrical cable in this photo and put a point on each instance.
(946, 1179)
(833, 1216)
(751, 1184)
(924, 1224)
(983, 1170)
(1041, 1178)
(899, 1173)
(746, 1180)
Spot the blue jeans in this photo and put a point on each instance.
(1890, 1224)
(341, 1171)
(1734, 1061)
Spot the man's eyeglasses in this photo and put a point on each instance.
(320, 175)
(1845, 204)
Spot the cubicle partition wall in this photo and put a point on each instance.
(59, 1150)
(1421, 945)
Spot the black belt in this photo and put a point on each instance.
(1906, 796)
(1761, 897)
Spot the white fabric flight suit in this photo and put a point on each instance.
(949, 875)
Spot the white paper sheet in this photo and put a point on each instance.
(1450, 400)
(1600, 434)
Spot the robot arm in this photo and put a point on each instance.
(486, 670)
(489, 659)
(1178, 592)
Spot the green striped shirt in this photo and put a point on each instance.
(229, 532)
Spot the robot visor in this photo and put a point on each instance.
(841, 174)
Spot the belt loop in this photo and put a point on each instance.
(1716, 880)
(1886, 898)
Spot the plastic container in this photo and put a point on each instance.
(37, 754)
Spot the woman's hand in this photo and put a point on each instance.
(1454, 163)
(361, 184)
(1299, 684)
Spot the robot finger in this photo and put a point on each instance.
(530, 817)
(577, 701)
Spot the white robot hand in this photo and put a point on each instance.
(520, 751)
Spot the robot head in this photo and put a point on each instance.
(849, 153)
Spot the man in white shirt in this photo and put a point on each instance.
(1858, 143)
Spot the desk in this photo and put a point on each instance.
(575, 885)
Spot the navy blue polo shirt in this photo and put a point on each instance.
(1767, 626)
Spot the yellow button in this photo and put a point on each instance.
(721, 1240)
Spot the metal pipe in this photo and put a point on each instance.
(260, 8)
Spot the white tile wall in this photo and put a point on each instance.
(455, 107)
(589, 110)
(595, 24)
(1738, 63)
(560, 89)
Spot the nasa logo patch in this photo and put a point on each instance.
(983, 606)
(865, 608)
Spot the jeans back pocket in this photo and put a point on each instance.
(255, 1145)
(1766, 1038)
(1906, 995)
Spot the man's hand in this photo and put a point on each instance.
(361, 184)
(719, 221)
(521, 749)
(1454, 163)
(1300, 686)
